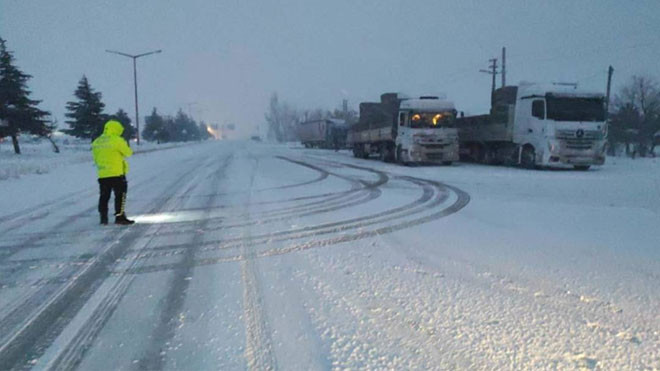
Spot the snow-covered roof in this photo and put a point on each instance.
(528, 88)
(336, 122)
(433, 105)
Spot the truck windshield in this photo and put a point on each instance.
(431, 119)
(575, 109)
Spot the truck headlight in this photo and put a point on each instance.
(553, 146)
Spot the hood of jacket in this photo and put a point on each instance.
(113, 128)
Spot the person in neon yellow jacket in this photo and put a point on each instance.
(110, 151)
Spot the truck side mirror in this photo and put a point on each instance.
(402, 119)
(538, 109)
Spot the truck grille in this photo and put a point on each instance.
(579, 139)
(434, 156)
(434, 145)
(581, 144)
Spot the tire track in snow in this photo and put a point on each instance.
(30, 326)
(62, 200)
(354, 198)
(154, 357)
(68, 199)
(462, 199)
(39, 236)
(259, 351)
(424, 203)
(73, 354)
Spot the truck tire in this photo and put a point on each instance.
(356, 152)
(389, 153)
(528, 157)
(490, 156)
(447, 163)
(478, 153)
(581, 167)
(386, 153)
(398, 156)
(382, 152)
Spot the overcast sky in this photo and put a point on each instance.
(223, 59)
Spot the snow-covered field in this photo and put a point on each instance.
(262, 256)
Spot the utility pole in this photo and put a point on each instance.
(135, 57)
(493, 72)
(610, 71)
(503, 66)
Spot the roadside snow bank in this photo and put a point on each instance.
(39, 158)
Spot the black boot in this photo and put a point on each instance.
(123, 220)
(104, 219)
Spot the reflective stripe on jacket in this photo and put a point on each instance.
(110, 151)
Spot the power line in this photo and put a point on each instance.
(493, 72)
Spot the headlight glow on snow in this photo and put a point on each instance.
(155, 218)
(169, 217)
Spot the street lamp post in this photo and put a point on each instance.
(135, 57)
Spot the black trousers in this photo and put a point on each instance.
(119, 186)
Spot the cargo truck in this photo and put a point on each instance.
(323, 133)
(406, 130)
(535, 125)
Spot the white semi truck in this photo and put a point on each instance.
(534, 125)
(406, 130)
(323, 133)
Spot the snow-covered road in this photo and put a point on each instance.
(259, 256)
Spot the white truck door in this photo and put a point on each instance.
(529, 118)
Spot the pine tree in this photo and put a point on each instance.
(185, 128)
(17, 110)
(129, 130)
(86, 118)
(155, 128)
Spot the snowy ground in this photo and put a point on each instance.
(258, 256)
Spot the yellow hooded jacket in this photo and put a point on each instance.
(110, 151)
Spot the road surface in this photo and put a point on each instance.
(262, 257)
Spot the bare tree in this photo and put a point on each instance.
(282, 120)
(636, 115)
(350, 115)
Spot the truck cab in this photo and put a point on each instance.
(426, 131)
(558, 126)
(535, 125)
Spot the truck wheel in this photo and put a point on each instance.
(386, 153)
(581, 167)
(389, 154)
(398, 156)
(364, 152)
(490, 156)
(447, 163)
(528, 157)
(356, 152)
(478, 153)
(382, 153)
